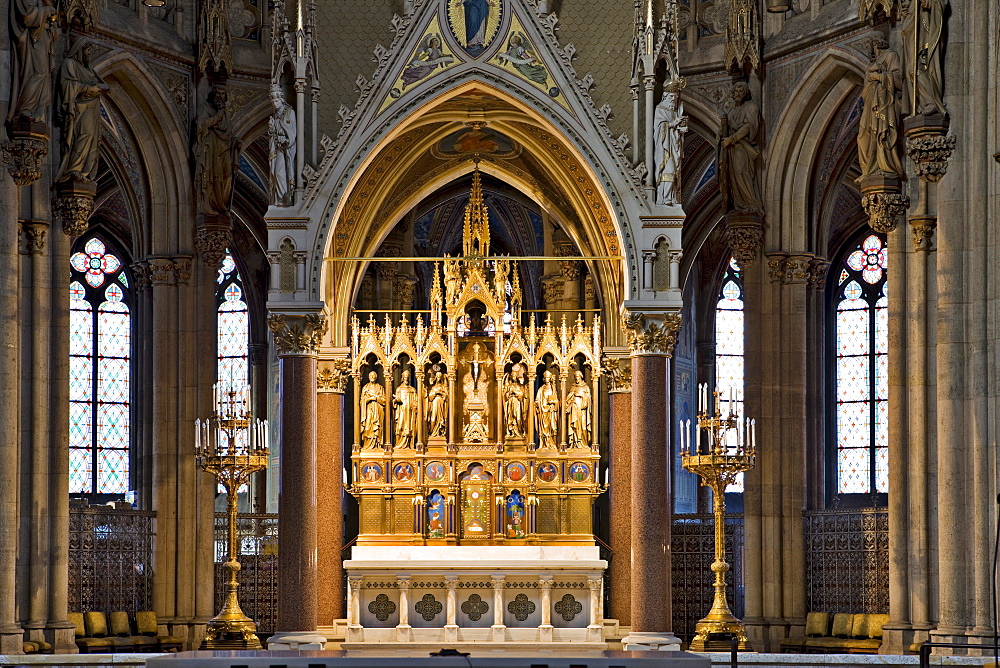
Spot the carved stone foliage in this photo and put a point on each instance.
(618, 371)
(797, 269)
(745, 235)
(31, 237)
(884, 209)
(73, 205)
(923, 232)
(23, 154)
(930, 154)
(653, 334)
(333, 376)
(211, 243)
(297, 335)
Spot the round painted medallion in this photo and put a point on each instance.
(371, 472)
(435, 472)
(516, 471)
(579, 472)
(403, 472)
(547, 471)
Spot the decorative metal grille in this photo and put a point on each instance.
(847, 560)
(110, 559)
(692, 541)
(257, 535)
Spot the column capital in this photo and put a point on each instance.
(333, 375)
(653, 333)
(31, 236)
(618, 371)
(451, 582)
(297, 334)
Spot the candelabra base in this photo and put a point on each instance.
(231, 634)
(717, 636)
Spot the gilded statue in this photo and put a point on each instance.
(547, 411)
(878, 134)
(216, 154)
(669, 126)
(578, 406)
(372, 412)
(437, 405)
(922, 33)
(739, 155)
(515, 400)
(33, 30)
(80, 113)
(281, 128)
(404, 403)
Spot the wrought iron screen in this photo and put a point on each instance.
(258, 576)
(110, 559)
(692, 541)
(847, 560)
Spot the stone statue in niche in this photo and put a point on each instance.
(216, 154)
(547, 411)
(372, 412)
(878, 134)
(739, 156)
(33, 29)
(578, 402)
(922, 33)
(80, 92)
(437, 403)
(669, 126)
(515, 393)
(404, 403)
(281, 128)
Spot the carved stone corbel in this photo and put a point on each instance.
(745, 235)
(73, 205)
(211, 242)
(297, 335)
(929, 146)
(883, 201)
(651, 334)
(23, 154)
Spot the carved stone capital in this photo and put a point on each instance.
(883, 201)
(23, 154)
(552, 290)
(333, 376)
(161, 271)
(930, 154)
(818, 269)
(796, 269)
(651, 334)
(211, 242)
(140, 274)
(73, 204)
(745, 236)
(31, 236)
(618, 371)
(923, 232)
(257, 354)
(297, 335)
(182, 269)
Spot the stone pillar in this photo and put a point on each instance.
(10, 409)
(403, 629)
(651, 340)
(595, 630)
(618, 371)
(451, 608)
(331, 385)
(499, 630)
(296, 339)
(545, 628)
(355, 633)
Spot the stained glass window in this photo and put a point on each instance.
(729, 347)
(233, 328)
(100, 356)
(862, 369)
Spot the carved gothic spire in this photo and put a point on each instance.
(476, 228)
(215, 44)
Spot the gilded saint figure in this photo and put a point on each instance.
(404, 403)
(80, 92)
(922, 33)
(372, 412)
(578, 405)
(437, 405)
(32, 29)
(878, 134)
(739, 156)
(515, 400)
(547, 411)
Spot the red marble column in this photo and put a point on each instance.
(329, 506)
(651, 596)
(619, 573)
(297, 495)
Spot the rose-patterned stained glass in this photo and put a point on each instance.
(729, 346)
(233, 327)
(862, 369)
(100, 369)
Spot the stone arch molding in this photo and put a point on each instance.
(602, 198)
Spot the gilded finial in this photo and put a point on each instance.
(476, 226)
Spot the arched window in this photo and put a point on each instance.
(100, 357)
(729, 346)
(861, 408)
(233, 328)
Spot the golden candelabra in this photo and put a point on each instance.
(231, 444)
(725, 447)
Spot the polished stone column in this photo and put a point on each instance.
(619, 375)
(651, 340)
(297, 339)
(332, 382)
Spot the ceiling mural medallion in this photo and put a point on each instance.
(476, 140)
(474, 23)
(520, 57)
(429, 57)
